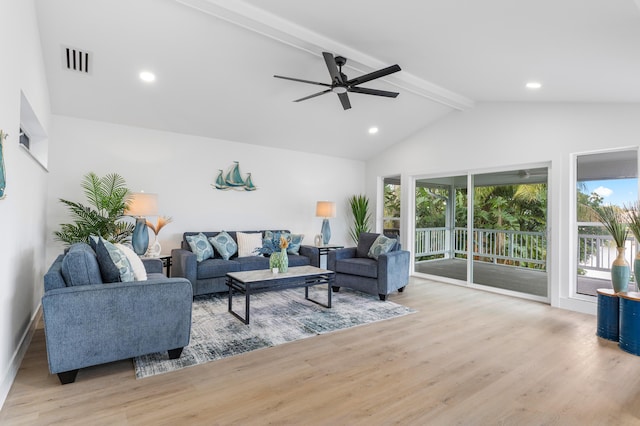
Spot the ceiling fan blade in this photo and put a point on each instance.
(313, 96)
(302, 81)
(332, 67)
(344, 99)
(375, 92)
(373, 75)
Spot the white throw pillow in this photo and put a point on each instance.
(139, 272)
(248, 244)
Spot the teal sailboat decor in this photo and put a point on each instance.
(3, 180)
(233, 180)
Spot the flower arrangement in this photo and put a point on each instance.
(162, 222)
(284, 242)
(275, 244)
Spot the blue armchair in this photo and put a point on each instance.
(88, 323)
(355, 269)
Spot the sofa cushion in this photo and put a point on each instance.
(297, 260)
(249, 243)
(252, 263)
(224, 244)
(200, 246)
(80, 266)
(365, 241)
(214, 268)
(295, 243)
(380, 246)
(364, 267)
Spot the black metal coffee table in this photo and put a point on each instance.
(250, 282)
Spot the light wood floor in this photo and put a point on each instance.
(467, 357)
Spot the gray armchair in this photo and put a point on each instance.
(88, 323)
(355, 269)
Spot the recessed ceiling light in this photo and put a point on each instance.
(534, 85)
(373, 130)
(147, 76)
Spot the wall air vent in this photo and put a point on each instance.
(76, 60)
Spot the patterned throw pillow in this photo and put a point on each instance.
(380, 246)
(295, 243)
(249, 244)
(114, 265)
(224, 244)
(139, 271)
(200, 246)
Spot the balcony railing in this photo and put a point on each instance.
(512, 247)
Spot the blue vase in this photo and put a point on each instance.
(620, 272)
(140, 237)
(325, 231)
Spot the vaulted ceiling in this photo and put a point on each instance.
(214, 62)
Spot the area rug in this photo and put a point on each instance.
(277, 317)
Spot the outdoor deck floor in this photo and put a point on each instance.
(522, 280)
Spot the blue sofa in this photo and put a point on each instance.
(88, 323)
(209, 276)
(355, 269)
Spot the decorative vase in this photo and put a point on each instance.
(274, 262)
(636, 271)
(154, 249)
(620, 272)
(284, 260)
(140, 237)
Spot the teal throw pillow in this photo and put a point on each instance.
(381, 245)
(114, 264)
(200, 246)
(271, 241)
(295, 241)
(224, 244)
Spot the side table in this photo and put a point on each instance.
(325, 249)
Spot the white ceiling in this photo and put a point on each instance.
(215, 60)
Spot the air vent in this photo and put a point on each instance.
(76, 60)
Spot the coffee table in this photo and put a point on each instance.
(250, 282)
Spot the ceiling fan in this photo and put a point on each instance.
(341, 85)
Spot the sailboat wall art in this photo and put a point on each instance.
(233, 179)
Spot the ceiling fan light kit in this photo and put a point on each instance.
(341, 85)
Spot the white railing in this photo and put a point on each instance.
(514, 247)
(597, 252)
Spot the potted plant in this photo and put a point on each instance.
(633, 214)
(107, 197)
(613, 221)
(361, 216)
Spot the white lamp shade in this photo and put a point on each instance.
(326, 209)
(142, 204)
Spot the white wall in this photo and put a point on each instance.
(22, 212)
(181, 169)
(496, 135)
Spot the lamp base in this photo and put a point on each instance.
(140, 237)
(325, 231)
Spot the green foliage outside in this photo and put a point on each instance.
(107, 198)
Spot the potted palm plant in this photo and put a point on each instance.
(107, 197)
(613, 221)
(361, 216)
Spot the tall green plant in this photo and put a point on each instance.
(612, 219)
(107, 197)
(633, 214)
(361, 216)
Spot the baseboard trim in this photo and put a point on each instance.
(18, 356)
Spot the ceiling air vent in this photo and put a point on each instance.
(76, 60)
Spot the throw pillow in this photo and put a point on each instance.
(271, 241)
(114, 265)
(380, 246)
(139, 272)
(365, 241)
(224, 244)
(200, 246)
(249, 244)
(295, 243)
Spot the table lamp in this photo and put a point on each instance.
(325, 210)
(141, 205)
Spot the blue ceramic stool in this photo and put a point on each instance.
(608, 311)
(630, 322)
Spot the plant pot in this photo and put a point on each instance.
(620, 272)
